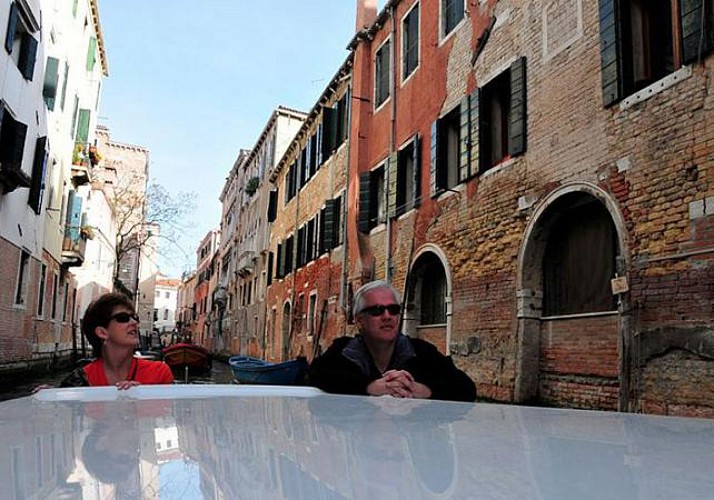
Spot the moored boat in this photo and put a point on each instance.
(248, 370)
(194, 357)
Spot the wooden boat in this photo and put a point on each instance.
(247, 370)
(194, 357)
(150, 354)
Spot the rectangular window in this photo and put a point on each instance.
(19, 42)
(91, 53)
(63, 96)
(65, 301)
(55, 295)
(452, 12)
(166, 314)
(448, 143)
(12, 146)
(408, 175)
(156, 314)
(311, 310)
(342, 107)
(49, 89)
(644, 41)
(23, 275)
(381, 74)
(410, 42)
(167, 295)
(371, 199)
(41, 290)
(39, 168)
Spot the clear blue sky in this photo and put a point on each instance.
(194, 82)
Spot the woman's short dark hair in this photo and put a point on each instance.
(98, 314)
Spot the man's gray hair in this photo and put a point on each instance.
(372, 285)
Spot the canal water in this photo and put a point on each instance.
(20, 386)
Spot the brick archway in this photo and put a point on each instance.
(578, 360)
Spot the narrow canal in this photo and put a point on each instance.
(20, 386)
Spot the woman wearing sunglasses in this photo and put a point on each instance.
(111, 326)
(381, 361)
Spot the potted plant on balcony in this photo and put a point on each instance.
(94, 156)
(87, 232)
(252, 186)
(78, 154)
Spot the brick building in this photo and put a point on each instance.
(206, 266)
(513, 159)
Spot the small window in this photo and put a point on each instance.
(448, 149)
(167, 295)
(23, 275)
(156, 314)
(42, 285)
(157, 294)
(381, 72)
(166, 314)
(20, 43)
(410, 42)
(312, 307)
(55, 295)
(371, 199)
(495, 105)
(408, 176)
(452, 12)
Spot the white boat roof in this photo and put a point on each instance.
(237, 441)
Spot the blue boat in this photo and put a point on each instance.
(248, 370)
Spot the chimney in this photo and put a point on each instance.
(366, 13)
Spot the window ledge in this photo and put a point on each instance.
(435, 325)
(499, 166)
(406, 214)
(378, 228)
(579, 315)
(663, 84)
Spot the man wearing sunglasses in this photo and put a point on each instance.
(381, 361)
(111, 326)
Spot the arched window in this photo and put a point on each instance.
(429, 290)
(579, 259)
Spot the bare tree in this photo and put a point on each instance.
(142, 219)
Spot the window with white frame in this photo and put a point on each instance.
(381, 74)
(23, 272)
(371, 198)
(410, 42)
(452, 12)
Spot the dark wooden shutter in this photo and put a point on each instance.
(300, 260)
(416, 182)
(270, 268)
(311, 240)
(610, 53)
(289, 254)
(517, 115)
(363, 221)
(318, 146)
(393, 187)
(328, 222)
(695, 15)
(464, 139)
(273, 205)
(39, 166)
(18, 144)
(49, 89)
(11, 27)
(337, 217)
(28, 55)
(280, 270)
(474, 130)
(433, 160)
(329, 132)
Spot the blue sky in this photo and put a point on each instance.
(194, 82)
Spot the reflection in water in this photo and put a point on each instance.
(344, 447)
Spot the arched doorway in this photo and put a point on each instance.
(572, 339)
(427, 312)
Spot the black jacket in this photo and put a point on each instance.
(336, 373)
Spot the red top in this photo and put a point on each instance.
(142, 370)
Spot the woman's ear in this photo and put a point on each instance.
(101, 332)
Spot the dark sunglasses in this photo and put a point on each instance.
(124, 317)
(392, 309)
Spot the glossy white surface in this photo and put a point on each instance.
(215, 441)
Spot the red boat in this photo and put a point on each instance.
(194, 357)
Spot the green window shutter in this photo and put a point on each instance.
(74, 216)
(83, 126)
(695, 16)
(300, 261)
(416, 184)
(328, 221)
(392, 188)
(363, 221)
(74, 8)
(12, 21)
(610, 53)
(464, 139)
(517, 116)
(329, 132)
(311, 240)
(318, 146)
(91, 53)
(39, 167)
(49, 90)
(289, 254)
(433, 160)
(474, 130)
(17, 143)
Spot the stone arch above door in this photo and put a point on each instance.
(551, 215)
(422, 316)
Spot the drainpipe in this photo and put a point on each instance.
(392, 140)
(345, 232)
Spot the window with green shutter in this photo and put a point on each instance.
(49, 90)
(91, 53)
(83, 126)
(381, 74)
